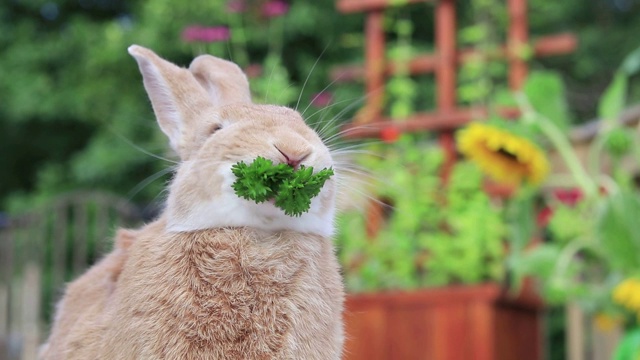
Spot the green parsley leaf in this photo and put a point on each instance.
(293, 190)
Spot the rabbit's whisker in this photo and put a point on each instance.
(304, 85)
(338, 116)
(144, 183)
(124, 138)
(314, 124)
(266, 95)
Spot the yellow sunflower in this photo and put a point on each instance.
(627, 294)
(506, 157)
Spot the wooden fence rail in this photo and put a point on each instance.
(43, 249)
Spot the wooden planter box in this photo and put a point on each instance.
(467, 322)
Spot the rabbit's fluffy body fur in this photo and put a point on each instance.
(216, 276)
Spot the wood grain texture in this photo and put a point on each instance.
(429, 121)
(459, 322)
(366, 328)
(517, 38)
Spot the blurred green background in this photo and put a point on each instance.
(74, 113)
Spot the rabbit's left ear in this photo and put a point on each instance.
(177, 97)
(224, 81)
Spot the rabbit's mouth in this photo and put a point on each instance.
(292, 160)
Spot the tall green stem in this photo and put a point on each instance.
(561, 143)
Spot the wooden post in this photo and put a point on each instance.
(4, 320)
(31, 312)
(6, 273)
(80, 214)
(374, 65)
(446, 49)
(374, 217)
(575, 332)
(446, 76)
(102, 229)
(60, 229)
(518, 38)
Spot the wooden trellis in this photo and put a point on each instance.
(444, 62)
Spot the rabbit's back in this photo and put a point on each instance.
(227, 294)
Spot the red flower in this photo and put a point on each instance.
(568, 197)
(390, 134)
(544, 216)
(321, 99)
(205, 34)
(275, 8)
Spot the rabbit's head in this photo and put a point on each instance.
(207, 114)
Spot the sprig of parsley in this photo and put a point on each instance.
(293, 190)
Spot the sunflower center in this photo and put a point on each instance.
(507, 154)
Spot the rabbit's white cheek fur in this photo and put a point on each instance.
(226, 209)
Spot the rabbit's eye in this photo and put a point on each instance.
(214, 128)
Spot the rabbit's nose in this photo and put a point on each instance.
(294, 158)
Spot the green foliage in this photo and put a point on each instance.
(614, 98)
(273, 86)
(521, 219)
(434, 236)
(594, 239)
(472, 250)
(566, 224)
(616, 140)
(546, 93)
(401, 88)
(587, 20)
(629, 347)
(480, 77)
(631, 64)
(293, 190)
(617, 227)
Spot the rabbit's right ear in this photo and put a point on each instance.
(224, 81)
(177, 98)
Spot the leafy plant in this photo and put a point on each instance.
(292, 189)
(478, 77)
(435, 235)
(402, 90)
(594, 240)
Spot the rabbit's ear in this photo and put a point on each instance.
(224, 81)
(177, 98)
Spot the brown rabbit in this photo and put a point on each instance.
(217, 276)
